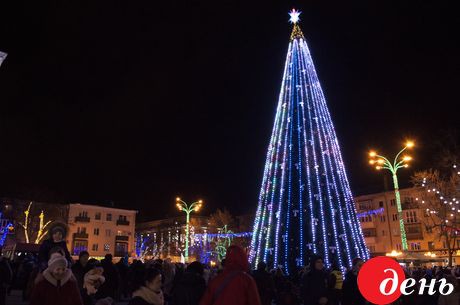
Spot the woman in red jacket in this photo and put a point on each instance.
(57, 285)
(234, 286)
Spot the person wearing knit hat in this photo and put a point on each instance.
(57, 264)
(57, 285)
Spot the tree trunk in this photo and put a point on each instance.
(449, 249)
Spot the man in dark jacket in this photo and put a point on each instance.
(80, 268)
(265, 284)
(190, 287)
(6, 276)
(315, 290)
(234, 286)
(350, 291)
(122, 267)
(112, 278)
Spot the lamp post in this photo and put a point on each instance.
(382, 162)
(183, 206)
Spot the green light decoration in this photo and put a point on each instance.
(223, 243)
(382, 162)
(183, 206)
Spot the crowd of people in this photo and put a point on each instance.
(52, 278)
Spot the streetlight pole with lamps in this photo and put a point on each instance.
(399, 162)
(183, 206)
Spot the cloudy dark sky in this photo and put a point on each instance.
(137, 102)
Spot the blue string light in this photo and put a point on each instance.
(305, 204)
(5, 231)
(371, 212)
(223, 235)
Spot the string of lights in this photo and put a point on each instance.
(453, 202)
(223, 235)
(371, 213)
(305, 204)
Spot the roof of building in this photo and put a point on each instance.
(403, 190)
(102, 207)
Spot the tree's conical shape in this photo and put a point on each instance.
(305, 204)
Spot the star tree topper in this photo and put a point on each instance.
(294, 16)
(296, 31)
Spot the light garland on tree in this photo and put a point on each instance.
(453, 202)
(4, 231)
(305, 204)
(41, 228)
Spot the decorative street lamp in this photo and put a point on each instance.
(381, 162)
(183, 206)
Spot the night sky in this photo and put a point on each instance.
(136, 102)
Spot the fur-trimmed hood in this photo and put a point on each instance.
(68, 276)
(57, 225)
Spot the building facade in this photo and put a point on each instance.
(101, 230)
(378, 215)
(165, 238)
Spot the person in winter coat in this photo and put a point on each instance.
(335, 285)
(93, 279)
(169, 270)
(56, 285)
(122, 267)
(55, 241)
(265, 284)
(80, 268)
(6, 276)
(148, 291)
(454, 297)
(233, 286)
(314, 288)
(112, 279)
(190, 287)
(350, 291)
(285, 291)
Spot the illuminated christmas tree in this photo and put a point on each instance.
(305, 204)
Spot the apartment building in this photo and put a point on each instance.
(379, 221)
(101, 230)
(166, 237)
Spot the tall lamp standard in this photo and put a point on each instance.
(183, 206)
(382, 162)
